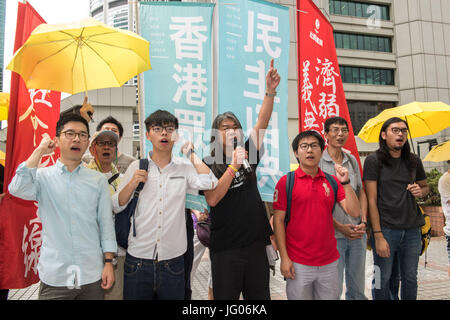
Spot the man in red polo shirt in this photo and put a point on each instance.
(307, 245)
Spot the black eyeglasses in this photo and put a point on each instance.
(158, 129)
(70, 134)
(305, 146)
(396, 130)
(108, 143)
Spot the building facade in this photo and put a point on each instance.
(389, 52)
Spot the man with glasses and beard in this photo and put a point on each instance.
(394, 177)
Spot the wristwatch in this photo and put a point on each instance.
(268, 94)
(345, 182)
(113, 261)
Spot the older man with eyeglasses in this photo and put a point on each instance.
(78, 237)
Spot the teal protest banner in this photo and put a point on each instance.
(250, 34)
(180, 80)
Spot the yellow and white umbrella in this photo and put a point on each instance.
(80, 56)
(4, 105)
(423, 118)
(439, 153)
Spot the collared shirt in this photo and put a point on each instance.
(310, 236)
(160, 212)
(327, 165)
(77, 225)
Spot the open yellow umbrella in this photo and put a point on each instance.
(2, 158)
(4, 105)
(80, 56)
(424, 118)
(439, 153)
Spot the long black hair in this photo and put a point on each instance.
(383, 151)
(218, 159)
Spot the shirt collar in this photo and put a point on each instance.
(326, 156)
(301, 174)
(150, 153)
(62, 167)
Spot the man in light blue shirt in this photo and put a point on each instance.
(78, 237)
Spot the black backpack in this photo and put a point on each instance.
(290, 180)
(122, 221)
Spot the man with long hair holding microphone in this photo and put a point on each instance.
(240, 229)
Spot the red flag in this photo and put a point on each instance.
(320, 91)
(32, 115)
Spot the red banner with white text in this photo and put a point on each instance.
(32, 115)
(320, 91)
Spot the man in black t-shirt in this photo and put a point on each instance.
(393, 178)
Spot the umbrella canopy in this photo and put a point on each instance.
(80, 56)
(2, 158)
(439, 153)
(4, 105)
(424, 118)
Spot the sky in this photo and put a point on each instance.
(52, 11)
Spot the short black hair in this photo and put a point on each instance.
(112, 120)
(160, 118)
(304, 134)
(70, 117)
(334, 120)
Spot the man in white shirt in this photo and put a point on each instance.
(156, 252)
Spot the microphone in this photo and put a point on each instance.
(245, 163)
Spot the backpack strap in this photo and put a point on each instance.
(113, 178)
(290, 180)
(143, 165)
(334, 186)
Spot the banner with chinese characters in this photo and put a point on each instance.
(32, 115)
(181, 77)
(251, 33)
(320, 90)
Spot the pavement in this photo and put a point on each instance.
(433, 280)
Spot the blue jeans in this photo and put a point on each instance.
(146, 279)
(353, 260)
(407, 245)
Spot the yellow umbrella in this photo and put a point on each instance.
(424, 118)
(80, 56)
(4, 105)
(439, 153)
(2, 158)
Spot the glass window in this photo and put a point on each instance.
(358, 10)
(355, 75)
(369, 76)
(364, 10)
(348, 74)
(346, 41)
(376, 76)
(381, 46)
(383, 76)
(337, 7)
(353, 42)
(338, 40)
(387, 44)
(360, 42)
(366, 42)
(373, 43)
(390, 77)
(344, 8)
(351, 9)
(362, 75)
